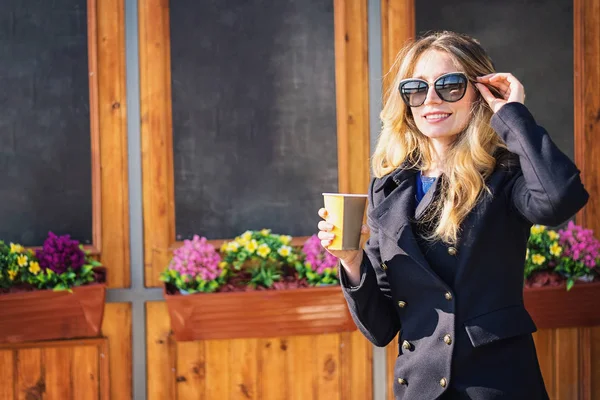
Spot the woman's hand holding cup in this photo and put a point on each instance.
(350, 259)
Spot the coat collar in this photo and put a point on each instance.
(396, 213)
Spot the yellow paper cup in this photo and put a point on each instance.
(345, 212)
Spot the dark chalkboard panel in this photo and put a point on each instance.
(254, 118)
(44, 121)
(532, 39)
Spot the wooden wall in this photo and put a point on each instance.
(569, 357)
(333, 366)
(338, 366)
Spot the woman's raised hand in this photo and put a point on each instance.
(509, 87)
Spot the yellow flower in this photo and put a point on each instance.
(232, 246)
(12, 274)
(251, 246)
(265, 232)
(555, 249)
(222, 264)
(536, 229)
(284, 251)
(247, 236)
(34, 267)
(16, 248)
(263, 250)
(538, 259)
(224, 246)
(285, 239)
(22, 260)
(552, 235)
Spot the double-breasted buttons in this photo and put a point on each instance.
(406, 345)
(452, 250)
(401, 304)
(402, 381)
(383, 266)
(448, 296)
(447, 339)
(443, 382)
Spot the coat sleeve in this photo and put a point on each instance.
(548, 189)
(370, 303)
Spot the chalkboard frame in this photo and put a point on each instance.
(352, 120)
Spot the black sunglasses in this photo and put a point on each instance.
(449, 87)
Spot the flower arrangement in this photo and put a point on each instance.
(265, 255)
(196, 267)
(569, 255)
(319, 266)
(60, 264)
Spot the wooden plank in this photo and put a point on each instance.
(391, 351)
(116, 327)
(58, 373)
(545, 344)
(301, 362)
(567, 363)
(112, 130)
(243, 376)
(272, 362)
(7, 377)
(595, 361)
(356, 366)
(30, 382)
(156, 137)
(85, 373)
(397, 27)
(217, 369)
(160, 353)
(352, 98)
(328, 366)
(191, 371)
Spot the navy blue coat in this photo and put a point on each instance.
(469, 338)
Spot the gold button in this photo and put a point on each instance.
(402, 381)
(452, 250)
(406, 345)
(401, 304)
(443, 382)
(448, 296)
(447, 339)
(383, 266)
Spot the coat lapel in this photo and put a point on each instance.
(396, 213)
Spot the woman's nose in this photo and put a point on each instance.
(432, 96)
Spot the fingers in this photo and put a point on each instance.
(323, 213)
(325, 226)
(485, 93)
(364, 230)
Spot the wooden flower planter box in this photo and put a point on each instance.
(265, 313)
(554, 307)
(46, 314)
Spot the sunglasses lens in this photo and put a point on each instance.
(451, 87)
(413, 92)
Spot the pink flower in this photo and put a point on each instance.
(318, 258)
(197, 258)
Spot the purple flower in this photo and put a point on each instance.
(317, 257)
(580, 244)
(59, 253)
(197, 258)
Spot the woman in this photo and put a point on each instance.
(462, 171)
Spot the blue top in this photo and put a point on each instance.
(423, 185)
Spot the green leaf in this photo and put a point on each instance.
(570, 283)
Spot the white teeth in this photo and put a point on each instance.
(436, 116)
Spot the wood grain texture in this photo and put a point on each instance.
(156, 137)
(116, 328)
(112, 179)
(352, 99)
(356, 364)
(161, 365)
(58, 366)
(397, 27)
(7, 386)
(586, 14)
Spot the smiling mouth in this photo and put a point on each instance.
(436, 117)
